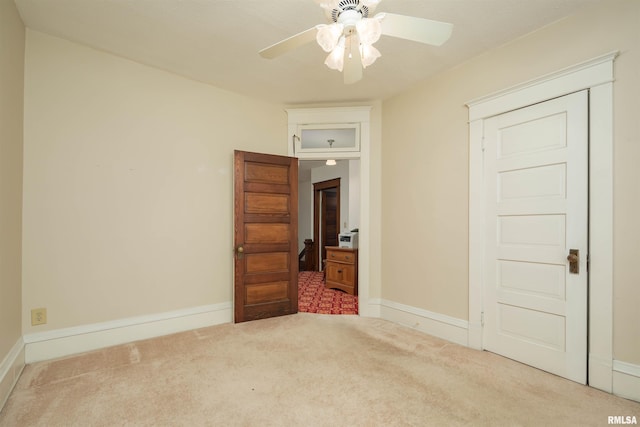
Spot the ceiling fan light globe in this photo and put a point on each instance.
(328, 36)
(335, 60)
(369, 30)
(368, 54)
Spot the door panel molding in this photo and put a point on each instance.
(535, 229)
(597, 76)
(265, 236)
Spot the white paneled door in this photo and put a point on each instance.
(536, 186)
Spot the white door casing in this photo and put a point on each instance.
(335, 115)
(597, 75)
(536, 207)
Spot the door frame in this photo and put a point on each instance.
(368, 244)
(596, 75)
(318, 188)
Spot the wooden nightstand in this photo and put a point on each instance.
(341, 269)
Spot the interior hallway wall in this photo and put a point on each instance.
(354, 195)
(425, 164)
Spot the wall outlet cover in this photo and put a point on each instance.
(38, 316)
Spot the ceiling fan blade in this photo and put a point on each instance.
(416, 29)
(291, 43)
(352, 62)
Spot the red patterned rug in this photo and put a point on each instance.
(313, 297)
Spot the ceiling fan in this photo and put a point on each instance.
(350, 36)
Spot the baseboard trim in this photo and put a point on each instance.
(64, 342)
(370, 307)
(626, 380)
(436, 324)
(10, 370)
(600, 373)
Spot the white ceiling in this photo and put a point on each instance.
(217, 41)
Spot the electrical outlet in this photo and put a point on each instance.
(38, 316)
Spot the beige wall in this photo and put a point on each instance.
(12, 39)
(425, 164)
(374, 209)
(128, 185)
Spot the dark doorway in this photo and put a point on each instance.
(326, 215)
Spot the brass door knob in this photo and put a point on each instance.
(574, 258)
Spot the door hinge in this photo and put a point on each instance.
(482, 145)
(482, 318)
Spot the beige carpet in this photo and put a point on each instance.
(301, 370)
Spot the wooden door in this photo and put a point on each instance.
(266, 236)
(326, 205)
(330, 218)
(535, 307)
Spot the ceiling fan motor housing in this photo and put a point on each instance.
(348, 5)
(349, 18)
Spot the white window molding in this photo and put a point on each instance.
(326, 119)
